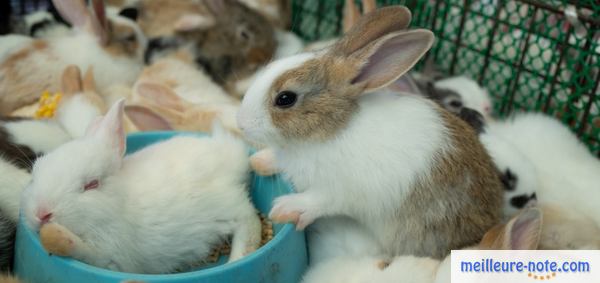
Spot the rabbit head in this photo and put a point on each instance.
(311, 96)
(227, 39)
(68, 183)
(118, 34)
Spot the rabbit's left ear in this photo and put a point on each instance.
(110, 127)
(388, 58)
(145, 119)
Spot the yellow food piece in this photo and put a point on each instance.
(47, 105)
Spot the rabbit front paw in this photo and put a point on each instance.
(57, 240)
(299, 209)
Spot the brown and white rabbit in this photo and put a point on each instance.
(114, 45)
(410, 171)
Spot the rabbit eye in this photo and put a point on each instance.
(286, 99)
(91, 185)
(456, 103)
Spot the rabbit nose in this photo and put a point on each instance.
(44, 218)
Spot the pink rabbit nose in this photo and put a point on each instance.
(44, 218)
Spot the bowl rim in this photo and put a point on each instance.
(284, 232)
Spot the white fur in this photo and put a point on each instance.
(12, 182)
(76, 114)
(52, 30)
(11, 43)
(157, 210)
(253, 117)
(405, 269)
(506, 156)
(568, 173)
(41, 136)
(398, 135)
(288, 44)
(332, 237)
(472, 94)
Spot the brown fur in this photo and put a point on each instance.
(20, 155)
(325, 107)
(18, 87)
(448, 202)
(123, 41)
(158, 17)
(371, 27)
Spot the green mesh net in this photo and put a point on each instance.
(534, 55)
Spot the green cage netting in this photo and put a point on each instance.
(532, 55)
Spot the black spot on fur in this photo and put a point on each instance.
(473, 118)
(509, 180)
(130, 13)
(39, 26)
(521, 200)
(7, 243)
(19, 155)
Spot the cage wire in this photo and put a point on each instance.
(532, 55)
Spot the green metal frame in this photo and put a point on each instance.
(527, 53)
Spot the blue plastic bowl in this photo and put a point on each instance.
(282, 260)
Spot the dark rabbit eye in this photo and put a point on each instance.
(286, 99)
(94, 184)
(130, 13)
(456, 104)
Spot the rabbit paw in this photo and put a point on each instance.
(296, 208)
(57, 240)
(263, 162)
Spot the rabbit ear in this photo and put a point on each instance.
(160, 96)
(405, 84)
(189, 22)
(524, 231)
(77, 14)
(71, 80)
(73, 11)
(89, 83)
(390, 57)
(146, 120)
(100, 13)
(372, 26)
(110, 127)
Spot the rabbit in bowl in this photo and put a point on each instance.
(159, 210)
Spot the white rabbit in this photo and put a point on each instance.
(157, 210)
(113, 45)
(518, 174)
(521, 232)
(567, 171)
(353, 149)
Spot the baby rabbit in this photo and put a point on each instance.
(566, 170)
(158, 210)
(114, 45)
(520, 232)
(400, 165)
(226, 38)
